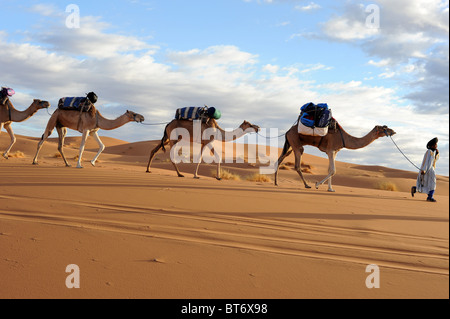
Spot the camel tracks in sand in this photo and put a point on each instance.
(271, 235)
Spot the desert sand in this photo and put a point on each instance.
(139, 235)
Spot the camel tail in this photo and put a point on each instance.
(164, 139)
(286, 148)
(52, 123)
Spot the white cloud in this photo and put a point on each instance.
(46, 10)
(309, 7)
(283, 24)
(387, 75)
(316, 67)
(89, 40)
(213, 56)
(381, 63)
(348, 29)
(271, 68)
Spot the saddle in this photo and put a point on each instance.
(198, 113)
(314, 119)
(81, 104)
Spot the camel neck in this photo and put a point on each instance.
(354, 143)
(232, 135)
(106, 124)
(20, 116)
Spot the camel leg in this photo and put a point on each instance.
(298, 164)
(83, 144)
(199, 162)
(286, 152)
(331, 172)
(41, 142)
(8, 128)
(62, 132)
(1, 128)
(100, 144)
(152, 155)
(48, 131)
(280, 160)
(175, 164)
(219, 160)
(164, 141)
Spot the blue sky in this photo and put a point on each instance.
(258, 60)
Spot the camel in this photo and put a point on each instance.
(9, 114)
(331, 144)
(219, 135)
(87, 124)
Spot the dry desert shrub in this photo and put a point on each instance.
(226, 175)
(386, 186)
(17, 154)
(259, 178)
(306, 168)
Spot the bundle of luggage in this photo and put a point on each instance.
(314, 119)
(6, 93)
(198, 113)
(81, 104)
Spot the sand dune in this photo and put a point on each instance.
(138, 235)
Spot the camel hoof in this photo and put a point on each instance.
(68, 165)
(307, 186)
(219, 179)
(331, 191)
(317, 185)
(5, 156)
(148, 171)
(93, 163)
(35, 163)
(196, 177)
(80, 167)
(181, 176)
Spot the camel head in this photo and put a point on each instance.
(41, 104)
(383, 131)
(135, 117)
(246, 125)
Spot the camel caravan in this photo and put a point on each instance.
(193, 125)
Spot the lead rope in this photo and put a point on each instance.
(154, 124)
(401, 150)
(271, 138)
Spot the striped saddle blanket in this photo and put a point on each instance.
(75, 104)
(198, 113)
(190, 113)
